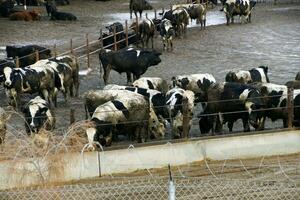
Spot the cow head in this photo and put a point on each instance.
(252, 4)
(231, 77)
(35, 15)
(8, 77)
(265, 68)
(99, 134)
(11, 51)
(152, 57)
(157, 129)
(37, 113)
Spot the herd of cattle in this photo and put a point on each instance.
(144, 108)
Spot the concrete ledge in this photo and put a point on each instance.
(74, 166)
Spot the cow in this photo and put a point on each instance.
(34, 79)
(179, 18)
(6, 7)
(167, 32)
(198, 83)
(30, 2)
(156, 98)
(198, 12)
(154, 83)
(145, 30)
(228, 102)
(139, 6)
(62, 2)
(25, 16)
(238, 7)
(27, 54)
(297, 78)
(130, 60)
(124, 115)
(38, 115)
(4, 117)
(64, 16)
(259, 74)
(3, 64)
(175, 98)
(276, 101)
(50, 7)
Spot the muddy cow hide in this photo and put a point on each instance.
(25, 16)
(198, 12)
(156, 98)
(26, 54)
(198, 83)
(179, 18)
(259, 74)
(38, 115)
(167, 33)
(130, 60)
(238, 7)
(138, 6)
(64, 16)
(228, 102)
(154, 83)
(6, 7)
(129, 115)
(174, 101)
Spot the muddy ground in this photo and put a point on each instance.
(271, 39)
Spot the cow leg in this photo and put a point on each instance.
(129, 78)
(130, 14)
(246, 125)
(232, 20)
(152, 42)
(230, 125)
(106, 74)
(227, 20)
(249, 18)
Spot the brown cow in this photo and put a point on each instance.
(26, 15)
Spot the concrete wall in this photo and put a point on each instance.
(75, 166)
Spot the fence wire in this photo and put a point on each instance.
(157, 188)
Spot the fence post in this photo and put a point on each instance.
(71, 46)
(55, 51)
(88, 50)
(185, 118)
(155, 14)
(290, 107)
(101, 39)
(171, 187)
(115, 38)
(72, 116)
(126, 32)
(17, 62)
(37, 56)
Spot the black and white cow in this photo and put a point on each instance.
(167, 33)
(179, 18)
(4, 117)
(228, 102)
(145, 30)
(198, 83)
(139, 6)
(198, 12)
(174, 101)
(156, 98)
(259, 74)
(129, 115)
(37, 79)
(154, 83)
(38, 115)
(238, 7)
(130, 60)
(276, 101)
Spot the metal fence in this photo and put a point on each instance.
(157, 188)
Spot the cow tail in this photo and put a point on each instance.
(86, 112)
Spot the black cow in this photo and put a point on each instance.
(228, 102)
(138, 6)
(259, 74)
(3, 64)
(238, 7)
(50, 7)
(38, 115)
(30, 2)
(167, 33)
(6, 7)
(64, 16)
(26, 54)
(130, 60)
